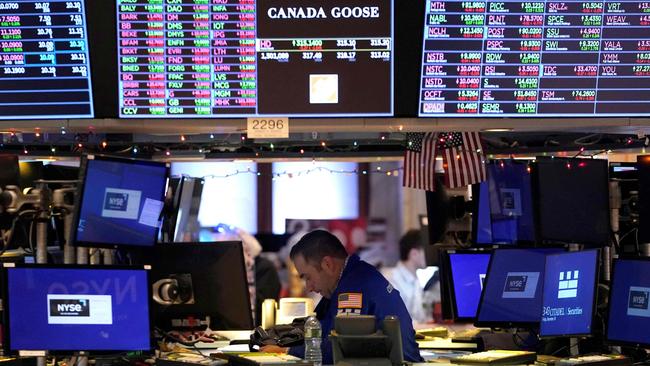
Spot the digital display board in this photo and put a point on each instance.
(495, 58)
(233, 58)
(45, 68)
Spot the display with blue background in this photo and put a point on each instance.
(511, 205)
(27, 293)
(513, 287)
(629, 307)
(467, 270)
(94, 226)
(569, 290)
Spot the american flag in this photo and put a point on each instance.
(463, 158)
(420, 161)
(350, 300)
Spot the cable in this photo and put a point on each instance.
(568, 348)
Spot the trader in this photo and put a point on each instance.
(348, 286)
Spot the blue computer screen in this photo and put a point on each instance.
(121, 202)
(468, 273)
(513, 287)
(78, 309)
(629, 306)
(510, 199)
(569, 290)
(483, 225)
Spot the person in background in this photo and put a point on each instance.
(348, 286)
(403, 277)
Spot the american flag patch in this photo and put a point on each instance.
(350, 300)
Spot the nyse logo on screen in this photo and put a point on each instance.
(520, 285)
(116, 201)
(69, 307)
(79, 309)
(639, 302)
(516, 283)
(121, 203)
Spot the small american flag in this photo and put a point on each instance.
(463, 158)
(420, 161)
(350, 300)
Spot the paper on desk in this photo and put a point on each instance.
(235, 348)
(150, 212)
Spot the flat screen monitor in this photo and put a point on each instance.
(467, 273)
(643, 166)
(30, 172)
(534, 59)
(268, 58)
(193, 281)
(572, 200)
(119, 202)
(187, 211)
(481, 220)
(511, 203)
(512, 295)
(629, 303)
(74, 308)
(45, 62)
(569, 297)
(9, 170)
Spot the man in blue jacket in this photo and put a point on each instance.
(348, 286)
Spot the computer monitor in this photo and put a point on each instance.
(481, 220)
(192, 281)
(9, 171)
(466, 274)
(30, 171)
(572, 200)
(510, 202)
(119, 202)
(512, 294)
(629, 303)
(187, 211)
(643, 166)
(569, 299)
(76, 308)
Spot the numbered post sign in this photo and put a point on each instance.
(268, 127)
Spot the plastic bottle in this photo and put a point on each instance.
(313, 332)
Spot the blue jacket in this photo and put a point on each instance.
(363, 290)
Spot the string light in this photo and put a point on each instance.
(53, 149)
(104, 144)
(135, 149)
(25, 150)
(318, 169)
(167, 152)
(183, 138)
(212, 136)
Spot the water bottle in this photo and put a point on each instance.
(312, 341)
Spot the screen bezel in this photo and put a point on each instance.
(594, 301)
(535, 189)
(83, 170)
(452, 286)
(5, 295)
(503, 324)
(609, 340)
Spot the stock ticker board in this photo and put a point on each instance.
(234, 58)
(45, 70)
(490, 58)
